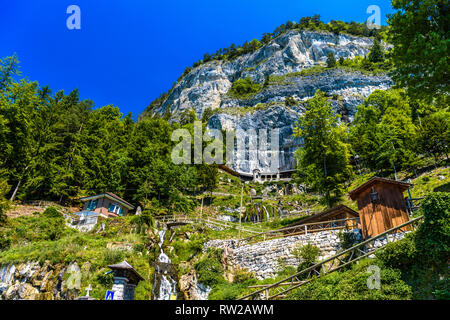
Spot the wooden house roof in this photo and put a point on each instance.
(111, 196)
(327, 213)
(402, 186)
(124, 265)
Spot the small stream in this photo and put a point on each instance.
(164, 285)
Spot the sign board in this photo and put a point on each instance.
(109, 295)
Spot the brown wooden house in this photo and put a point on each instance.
(340, 212)
(381, 205)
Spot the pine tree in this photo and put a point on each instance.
(383, 132)
(331, 61)
(324, 158)
(376, 52)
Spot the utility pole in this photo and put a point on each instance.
(240, 209)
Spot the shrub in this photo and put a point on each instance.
(352, 285)
(307, 255)
(105, 280)
(113, 256)
(348, 239)
(4, 242)
(226, 291)
(210, 269)
(243, 88)
(331, 60)
(290, 101)
(400, 254)
(241, 276)
(52, 212)
(433, 235)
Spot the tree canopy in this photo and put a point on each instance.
(323, 160)
(420, 34)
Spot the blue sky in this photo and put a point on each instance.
(128, 52)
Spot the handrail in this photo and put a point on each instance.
(304, 226)
(205, 220)
(294, 281)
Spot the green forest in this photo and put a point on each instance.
(58, 147)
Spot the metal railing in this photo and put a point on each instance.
(334, 263)
(206, 221)
(348, 223)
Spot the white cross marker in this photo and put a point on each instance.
(88, 290)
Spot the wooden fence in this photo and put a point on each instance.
(349, 223)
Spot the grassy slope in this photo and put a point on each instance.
(40, 238)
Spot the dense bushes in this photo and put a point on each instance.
(433, 235)
(429, 246)
(210, 269)
(244, 88)
(307, 255)
(50, 225)
(399, 254)
(422, 256)
(4, 188)
(352, 285)
(185, 250)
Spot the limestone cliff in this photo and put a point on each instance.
(208, 85)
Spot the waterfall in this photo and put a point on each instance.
(267, 213)
(167, 285)
(6, 277)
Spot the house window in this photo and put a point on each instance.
(115, 208)
(92, 205)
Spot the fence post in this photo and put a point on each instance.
(306, 229)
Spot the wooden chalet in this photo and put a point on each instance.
(336, 217)
(381, 205)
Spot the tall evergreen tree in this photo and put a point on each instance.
(376, 52)
(383, 133)
(324, 157)
(331, 60)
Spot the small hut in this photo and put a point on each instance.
(381, 205)
(337, 213)
(126, 278)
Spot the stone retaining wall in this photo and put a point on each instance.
(264, 258)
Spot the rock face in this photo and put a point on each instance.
(192, 289)
(291, 52)
(32, 281)
(207, 85)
